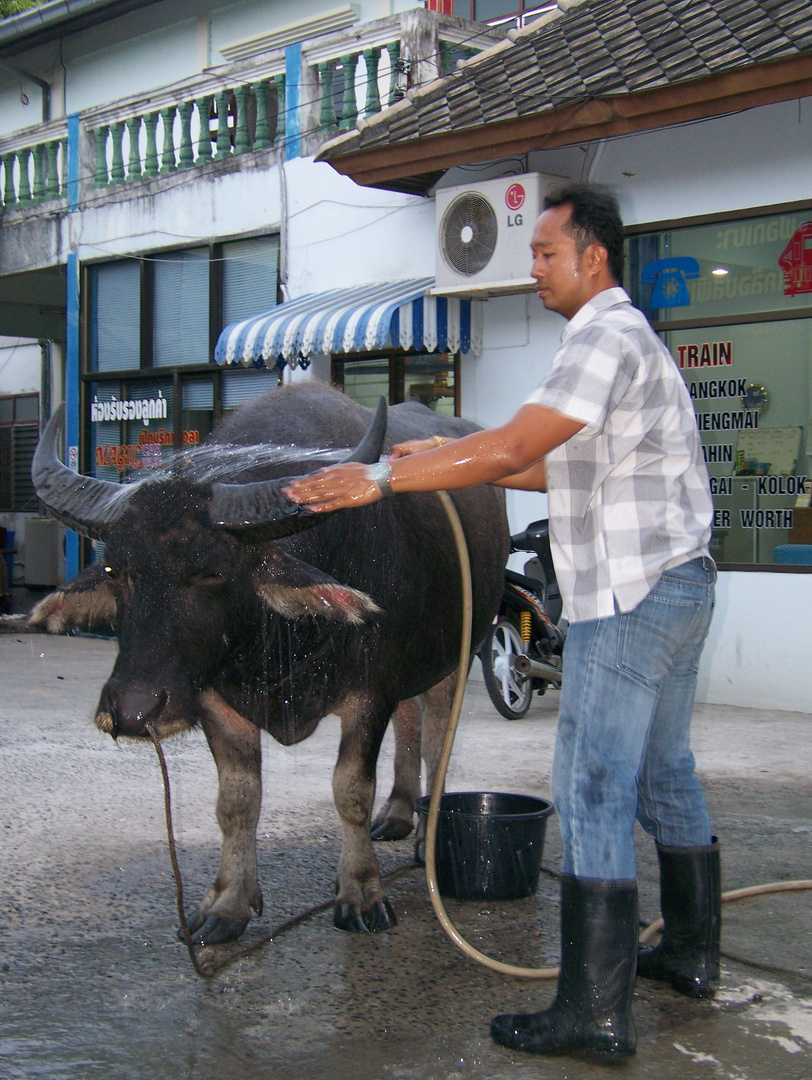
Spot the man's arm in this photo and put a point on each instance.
(532, 479)
(480, 458)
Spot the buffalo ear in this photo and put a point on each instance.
(85, 603)
(293, 588)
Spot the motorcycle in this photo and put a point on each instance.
(523, 650)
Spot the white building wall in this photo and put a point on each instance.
(337, 234)
(757, 158)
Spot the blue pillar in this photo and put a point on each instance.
(72, 400)
(72, 346)
(73, 161)
(293, 101)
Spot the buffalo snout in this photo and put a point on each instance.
(128, 712)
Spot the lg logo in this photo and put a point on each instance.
(514, 200)
(514, 197)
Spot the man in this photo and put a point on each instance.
(611, 435)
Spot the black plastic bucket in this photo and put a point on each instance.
(489, 845)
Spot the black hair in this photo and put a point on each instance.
(595, 219)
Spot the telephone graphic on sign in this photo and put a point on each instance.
(669, 279)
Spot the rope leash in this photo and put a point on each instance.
(210, 969)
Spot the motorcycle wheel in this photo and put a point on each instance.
(510, 696)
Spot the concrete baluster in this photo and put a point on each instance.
(186, 157)
(372, 58)
(151, 154)
(52, 186)
(101, 177)
(39, 172)
(393, 48)
(242, 138)
(117, 169)
(223, 137)
(349, 108)
(10, 191)
(134, 158)
(281, 123)
(327, 120)
(168, 152)
(262, 134)
(24, 185)
(204, 152)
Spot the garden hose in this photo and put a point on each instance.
(439, 783)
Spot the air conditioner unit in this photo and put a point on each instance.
(483, 234)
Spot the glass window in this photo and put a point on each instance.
(732, 301)
(131, 427)
(730, 268)
(365, 380)
(197, 410)
(180, 322)
(428, 378)
(176, 287)
(250, 275)
(115, 316)
(238, 386)
(432, 381)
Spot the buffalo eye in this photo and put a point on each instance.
(110, 573)
(209, 581)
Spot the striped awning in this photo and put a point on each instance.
(367, 318)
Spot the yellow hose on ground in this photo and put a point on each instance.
(439, 782)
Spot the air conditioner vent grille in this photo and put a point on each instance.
(468, 233)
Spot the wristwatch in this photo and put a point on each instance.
(381, 473)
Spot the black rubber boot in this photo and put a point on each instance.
(592, 1013)
(691, 902)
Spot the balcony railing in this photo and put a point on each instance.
(34, 164)
(240, 108)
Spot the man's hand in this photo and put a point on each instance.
(335, 488)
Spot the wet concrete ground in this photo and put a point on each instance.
(93, 982)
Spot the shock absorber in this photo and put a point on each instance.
(525, 627)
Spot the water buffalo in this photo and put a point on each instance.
(233, 613)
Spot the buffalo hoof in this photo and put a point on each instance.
(384, 828)
(214, 929)
(380, 916)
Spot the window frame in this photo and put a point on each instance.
(148, 371)
(16, 505)
(521, 11)
(663, 326)
(397, 370)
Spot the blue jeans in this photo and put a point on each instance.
(622, 748)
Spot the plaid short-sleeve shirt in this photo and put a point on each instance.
(629, 493)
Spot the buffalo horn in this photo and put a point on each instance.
(82, 503)
(264, 505)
